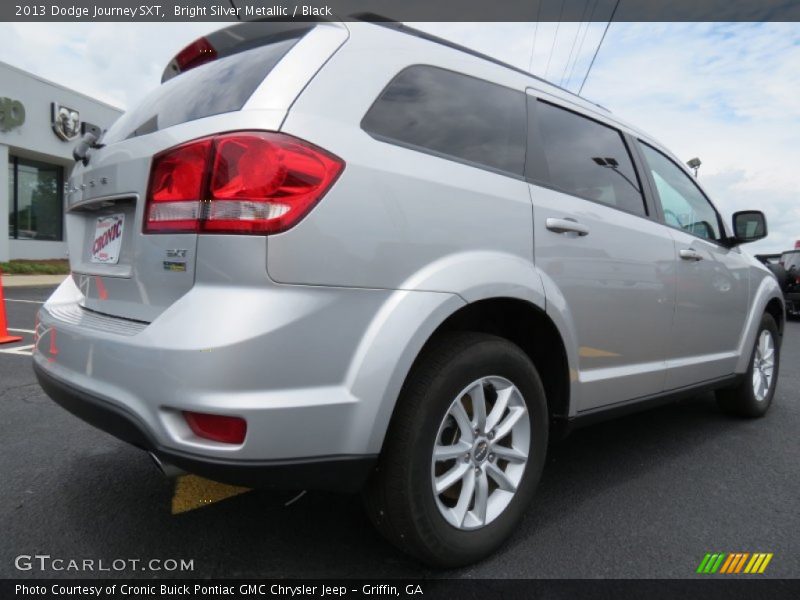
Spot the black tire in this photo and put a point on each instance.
(741, 399)
(399, 496)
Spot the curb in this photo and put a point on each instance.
(11, 281)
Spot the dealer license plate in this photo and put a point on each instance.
(107, 239)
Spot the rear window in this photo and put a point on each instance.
(221, 86)
(453, 116)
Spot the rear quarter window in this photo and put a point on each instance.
(453, 116)
(221, 86)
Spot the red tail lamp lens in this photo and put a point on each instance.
(244, 182)
(218, 428)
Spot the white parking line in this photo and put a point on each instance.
(21, 330)
(26, 301)
(19, 350)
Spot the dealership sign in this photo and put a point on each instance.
(66, 121)
(12, 114)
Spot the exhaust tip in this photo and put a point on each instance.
(168, 470)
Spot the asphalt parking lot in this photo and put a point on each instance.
(646, 496)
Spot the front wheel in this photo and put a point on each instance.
(753, 395)
(464, 451)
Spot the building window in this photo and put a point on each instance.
(35, 199)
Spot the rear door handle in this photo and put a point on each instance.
(690, 254)
(566, 225)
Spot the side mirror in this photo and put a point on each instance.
(748, 226)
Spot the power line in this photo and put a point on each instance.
(605, 31)
(535, 31)
(583, 40)
(555, 37)
(574, 41)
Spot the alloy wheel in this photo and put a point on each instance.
(480, 453)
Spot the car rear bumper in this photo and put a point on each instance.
(335, 473)
(279, 357)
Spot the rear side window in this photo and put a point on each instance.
(221, 86)
(454, 116)
(588, 159)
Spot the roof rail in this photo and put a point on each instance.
(382, 21)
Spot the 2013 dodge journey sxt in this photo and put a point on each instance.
(357, 257)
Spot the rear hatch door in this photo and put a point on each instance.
(122, 271)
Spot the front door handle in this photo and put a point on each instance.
(566, 225)
(690, 254)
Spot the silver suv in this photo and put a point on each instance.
(357, 257)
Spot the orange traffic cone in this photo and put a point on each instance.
(4, 337)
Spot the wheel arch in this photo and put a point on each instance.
(767, 298)
(522, 323)
(778, 312)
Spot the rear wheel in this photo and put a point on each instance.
(753, 395)
(464, 451)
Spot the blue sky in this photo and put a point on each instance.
(727, 93)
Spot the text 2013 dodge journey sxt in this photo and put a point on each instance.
(357, 257)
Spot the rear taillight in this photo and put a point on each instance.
(218, 428)
(241, 182)
(195, 54)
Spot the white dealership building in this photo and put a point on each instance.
(40, 124)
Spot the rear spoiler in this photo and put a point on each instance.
(232, 40)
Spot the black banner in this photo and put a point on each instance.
(730, 588)
(400, 10)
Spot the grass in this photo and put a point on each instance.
(35, 267)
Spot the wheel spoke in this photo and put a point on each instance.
(500, 478)
(481, 497)
(507, 424)
(465, 498)
(480, 451)
(510, 454)
(764, 343)
(462, 420)
(499, 408)
(478, 397)
(757, 382)
(449, 479)
(456, 450)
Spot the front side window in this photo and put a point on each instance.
(452, 115)
(588, 159)
(683, 204)
(35, 200)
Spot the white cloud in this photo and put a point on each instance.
(117, 63)
(724, 92)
